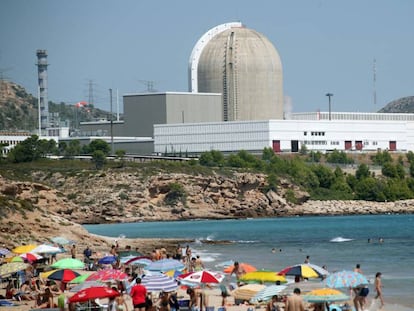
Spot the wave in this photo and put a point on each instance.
(245, 241)
(340, 239)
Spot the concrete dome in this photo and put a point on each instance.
(245, 67)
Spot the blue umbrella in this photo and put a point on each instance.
(4, 251)
(107, 260)
(164, 265)
(345, 279)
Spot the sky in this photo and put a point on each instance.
(326, 46)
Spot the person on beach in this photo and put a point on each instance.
(358, 268)
(199, 265)
(307, 259)
(173, 302)
(378, 288)
(138, 294)
(295, 302)
(238, 271)
(73, 251)
(193, 305)
(272, 304)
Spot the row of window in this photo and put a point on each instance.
(314, 133)
(332, 143)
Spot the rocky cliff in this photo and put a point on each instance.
(55, 204)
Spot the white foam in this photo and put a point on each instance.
(340, 239)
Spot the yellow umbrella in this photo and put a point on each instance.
(44, 275)
(246, 292)
(23, 249)
(263, 277)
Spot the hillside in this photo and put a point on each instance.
(53, 203)
(401, 105)
(19, 110)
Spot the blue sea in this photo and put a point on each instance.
(338, 242)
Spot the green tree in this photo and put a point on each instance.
(97, 144)
(338, 157)
(120, 155)
(362, 171)
(324, 174)
(211, 158)
(73, 149)
(31, 149)
(175, 194)
(99, 159)
(381, 157)
(268, 154)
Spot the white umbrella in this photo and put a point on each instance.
(46, 249)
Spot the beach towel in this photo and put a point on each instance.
(6, 303)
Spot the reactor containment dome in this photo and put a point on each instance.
(242, 65)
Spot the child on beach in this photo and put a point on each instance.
(378, 288)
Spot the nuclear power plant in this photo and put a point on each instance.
(243, 66)
(235, 102)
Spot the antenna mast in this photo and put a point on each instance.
(374, 68)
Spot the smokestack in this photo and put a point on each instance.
(42, 80)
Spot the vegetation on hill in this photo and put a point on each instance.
(19, 110)
(324, 176)
(401, 105)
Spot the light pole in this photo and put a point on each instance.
(329, 96)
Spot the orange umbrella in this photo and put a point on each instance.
(245, 266)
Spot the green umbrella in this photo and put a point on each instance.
(80, 279)
(68, 263)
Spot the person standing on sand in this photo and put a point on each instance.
(378, 288)
(295, 302)
(239, 271)
(138, 294)
(73, 251)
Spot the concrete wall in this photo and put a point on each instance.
(142, 111)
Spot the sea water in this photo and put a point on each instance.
(380, 243)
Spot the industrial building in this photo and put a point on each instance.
(235, 102)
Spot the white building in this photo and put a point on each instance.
(285, 136)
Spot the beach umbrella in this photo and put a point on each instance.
(16, 259)
(202, 277)
(304, 270)
(267, 293)
(23, 249)
(12, 267)
(173, 273)
(245, 266)
(107, 260)
(165, 265)
(80, 279)
(60, 240)
(262, 277)
(139, 261)
(68, 263)
(46, 249)
(63, 275)
(159, 282)
(84, 285)
(247, 292)
(4, 251)
(345, 279)
(107, 275)
(30, 256)
(325, 295)
(93, 293)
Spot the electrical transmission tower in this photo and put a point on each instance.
(149, 85)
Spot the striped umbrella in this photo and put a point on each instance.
(159, 282)
(267, 293)
(247, 292)
(80, 279)
(12, 267)
(304, 270)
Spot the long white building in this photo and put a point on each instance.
(285, 136)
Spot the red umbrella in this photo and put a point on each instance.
(93, 293)
(63, 275)
(31, 257)
(202, 277)
(107, 275)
